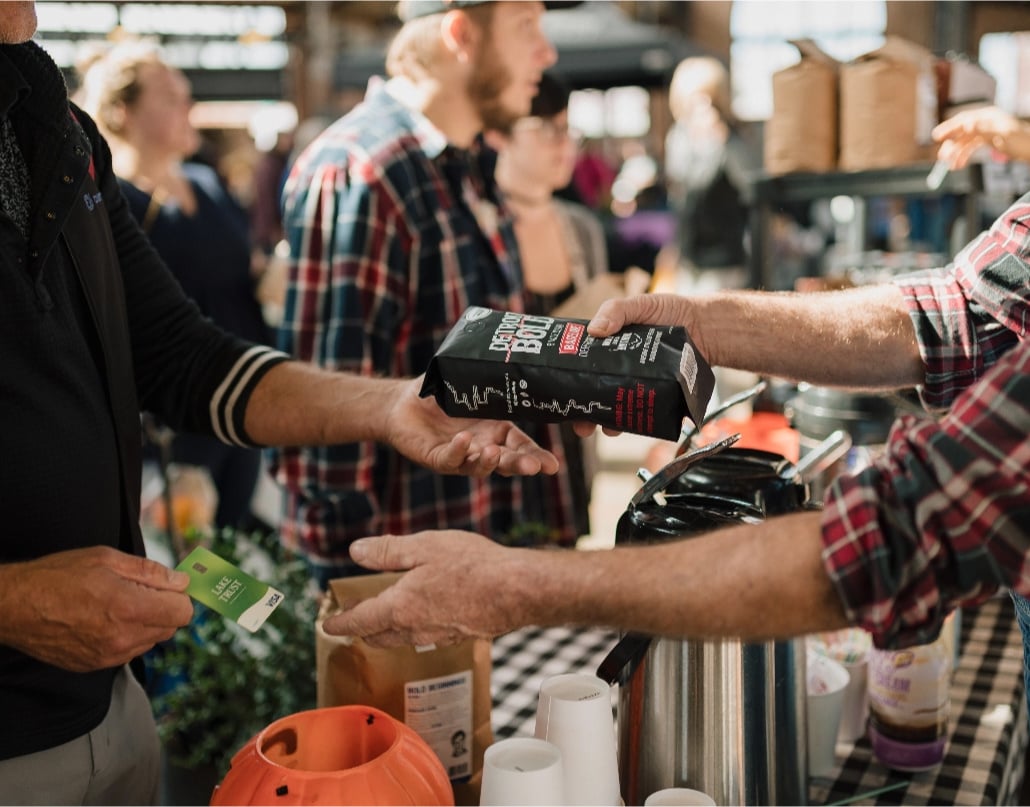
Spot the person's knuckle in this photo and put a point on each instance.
(394, 551)
(121, 645)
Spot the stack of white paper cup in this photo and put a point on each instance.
(522, 770)
(827, 680)
(849, 647)
(575, 713)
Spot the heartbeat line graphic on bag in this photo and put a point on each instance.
(477, 400)
(525, 400)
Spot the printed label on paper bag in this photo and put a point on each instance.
(226, 589)
(440, 711)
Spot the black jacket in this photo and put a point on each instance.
(92, 329)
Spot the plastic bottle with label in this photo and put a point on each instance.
(909, 704)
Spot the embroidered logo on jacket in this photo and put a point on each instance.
(92, 199)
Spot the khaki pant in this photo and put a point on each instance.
(116, 763)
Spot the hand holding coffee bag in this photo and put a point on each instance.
(511, 366)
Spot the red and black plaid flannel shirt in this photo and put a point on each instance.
(943, 519)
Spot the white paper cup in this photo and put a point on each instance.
(849, 647)
(679, 797)
(855, 709)
(522, 770)
(575, 713)
(827, 681)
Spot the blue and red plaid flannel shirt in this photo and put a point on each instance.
(393, 233)
(943, 519)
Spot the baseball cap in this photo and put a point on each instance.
(413, 9)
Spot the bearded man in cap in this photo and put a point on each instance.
(395, 227)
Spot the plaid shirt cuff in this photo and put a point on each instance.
(876, 561)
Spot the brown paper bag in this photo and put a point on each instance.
(443, 693)
(888, 107)
(801, 135)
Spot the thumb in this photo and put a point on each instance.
(364, 619)
(609, 319)
(385, 553)
(149, 573)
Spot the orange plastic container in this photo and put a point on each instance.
(768, 431)
(336, 755)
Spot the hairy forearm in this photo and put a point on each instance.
(855, 338)
(751, 582)
(299, 404)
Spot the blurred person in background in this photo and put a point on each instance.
(94, 329)
(395, 227)
(272, 266)
(273, 131)
(593, 175)
(561, 244)
(142, 106)
(707, 167)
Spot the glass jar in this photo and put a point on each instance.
(909, 704)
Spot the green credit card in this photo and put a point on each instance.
(226, 589)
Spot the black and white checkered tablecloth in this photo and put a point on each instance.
(523, 659)
(985, 756)
(984, 760)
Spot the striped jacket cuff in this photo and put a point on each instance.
(229, 403)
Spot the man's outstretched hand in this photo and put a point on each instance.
(457, 585)
(420, 430)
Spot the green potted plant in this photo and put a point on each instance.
(214, 685)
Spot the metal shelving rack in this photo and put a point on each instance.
(908, 181)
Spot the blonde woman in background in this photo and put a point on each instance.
(142, 106)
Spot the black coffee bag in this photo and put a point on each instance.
(509, 366)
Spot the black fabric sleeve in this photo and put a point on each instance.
(189, 372)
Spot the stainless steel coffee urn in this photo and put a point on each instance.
(815, 412)
(724, 717)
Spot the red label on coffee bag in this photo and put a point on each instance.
(571, 337)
